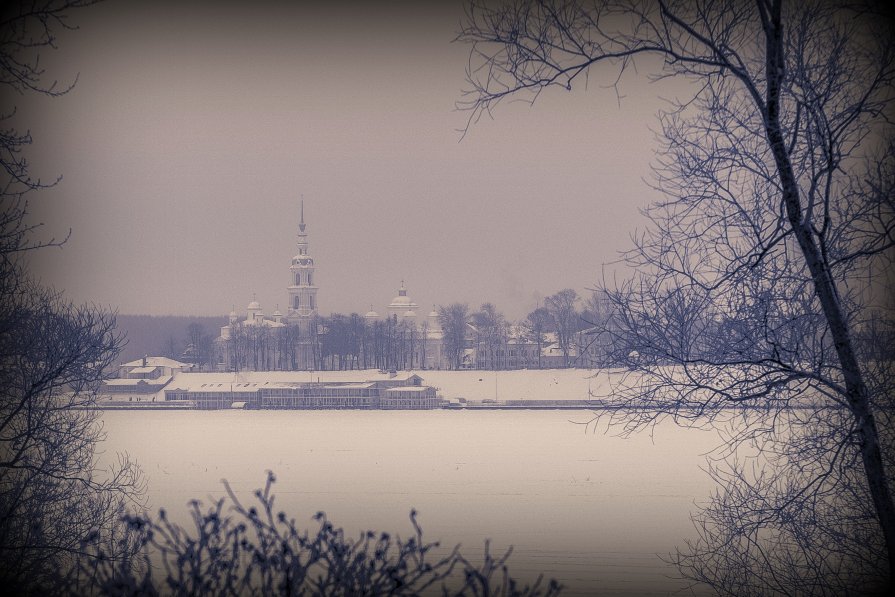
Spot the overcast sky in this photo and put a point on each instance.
(192, 134)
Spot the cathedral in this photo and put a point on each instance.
(293, 341)
(261, 343)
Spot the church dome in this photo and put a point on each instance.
(254, 306)
(372, 314)
(433, 313)
(402, 302)
(277, 313)
(409, 313)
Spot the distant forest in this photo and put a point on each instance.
(164, 335)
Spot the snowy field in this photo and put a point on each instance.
(590, 509)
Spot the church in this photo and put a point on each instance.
(294, 340)
(280, 342)
(429, 350)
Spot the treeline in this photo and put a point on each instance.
(553, 335)
(559, 334)
(463, 338)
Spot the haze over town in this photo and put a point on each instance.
(192, 134)
(326, 271)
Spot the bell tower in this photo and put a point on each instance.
(302, 293)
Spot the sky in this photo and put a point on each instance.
(193, 132)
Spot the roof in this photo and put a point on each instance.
(157, 362)
(409, 389)
(119, 383)
(268, 323)
(143, 369)
(402, 301)
(223, 389)
(125, 384)
(216, 381)
(403, 376)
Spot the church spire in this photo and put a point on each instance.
(301, 225)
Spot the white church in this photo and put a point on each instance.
(301, 313)
(258, 342)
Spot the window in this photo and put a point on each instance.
(298, 278)
(295, 302)
(309, 279)
(312, 301)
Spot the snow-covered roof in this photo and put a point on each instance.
(405, 376)
(157, 362)
(401, 301)
(117, 384)
(347, 384)
(143, 369)
(132, 383)
(269, 323)
(408, 389)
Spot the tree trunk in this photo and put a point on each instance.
(825, 290)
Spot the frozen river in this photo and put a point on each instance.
(589, 509)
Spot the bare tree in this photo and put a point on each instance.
(454, 320)
(537, 324)
(423, 336)
(753, 280)
(172, 347)
(492, 332)
(53, 355)
(194, 347)
(52, 497)
(565, 320)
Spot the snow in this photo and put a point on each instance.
(157, 362)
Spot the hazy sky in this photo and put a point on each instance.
(192, 133)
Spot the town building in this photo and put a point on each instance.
(183, 389)
(397, 392)
(140, 380)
